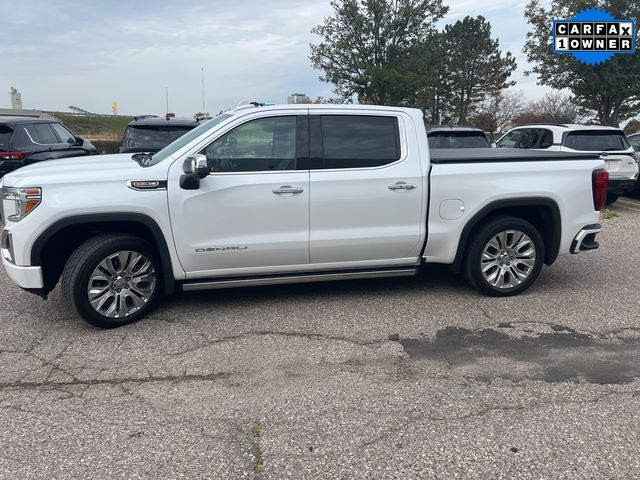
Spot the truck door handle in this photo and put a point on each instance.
(287, 189)
(402, 186)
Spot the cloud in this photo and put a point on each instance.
(73, 52)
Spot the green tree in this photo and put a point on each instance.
(475, 66)
(365, 46)
(612, 88)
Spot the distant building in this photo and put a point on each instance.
(16, 99)
(298, 98)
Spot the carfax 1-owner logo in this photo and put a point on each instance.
(594, 36)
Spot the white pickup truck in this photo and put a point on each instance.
(286, 194)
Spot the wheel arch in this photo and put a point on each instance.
(54, 246)
(542, 212)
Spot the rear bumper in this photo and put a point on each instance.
(29, 278)
(585, 239)
(620, 187)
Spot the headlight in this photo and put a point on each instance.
(25, 199)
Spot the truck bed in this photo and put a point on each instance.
(490, 155)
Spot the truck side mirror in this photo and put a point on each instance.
(189, 181)
(196, 164)
(195, 168)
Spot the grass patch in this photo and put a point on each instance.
(258, 463)
(609, 214)
(95, 128)
(256, 431)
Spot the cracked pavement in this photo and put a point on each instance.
(398, 378)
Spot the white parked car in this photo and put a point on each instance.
(611, 143)
(285, 194)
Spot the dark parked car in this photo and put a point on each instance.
(151, 134)
(26, 140)
(457, 137)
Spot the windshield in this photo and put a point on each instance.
(457, 140)
(188, 137)
(596, 141)
(152, 137)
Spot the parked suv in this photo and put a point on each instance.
(151, 134)
(610, 142)
(26, 140)
(457, 137)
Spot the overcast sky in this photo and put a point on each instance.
(90, 53)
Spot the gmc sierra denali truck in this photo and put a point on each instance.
(285, 194)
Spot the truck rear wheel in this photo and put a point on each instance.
(504, 257)
(112, 280)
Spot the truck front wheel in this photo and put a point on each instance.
(112, 280)
(504, 257)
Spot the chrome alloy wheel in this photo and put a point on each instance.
(121, 284)
(508, 259)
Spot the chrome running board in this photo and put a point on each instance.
(292, 278)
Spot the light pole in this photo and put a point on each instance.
(166, 93)
(202, 77)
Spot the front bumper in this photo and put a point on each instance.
(25, 277)
(585, 240)
(620, 186)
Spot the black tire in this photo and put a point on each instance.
(480, 239)
(611, 198)
(81, 265)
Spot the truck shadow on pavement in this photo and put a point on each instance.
(553, 353)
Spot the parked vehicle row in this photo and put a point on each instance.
(611, 143)
(286, 194)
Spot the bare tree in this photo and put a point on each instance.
(554, 107)
(496, 113)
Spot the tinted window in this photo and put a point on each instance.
(5, 136)
(522, 138)
(41, 133)
(152, 137)
(597, 141)
(64, 135)
(546, 139)
(635, 142)
(510, 139)
(457, 140)
(352, 141)
(265, 144)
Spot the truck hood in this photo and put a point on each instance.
(79, 169)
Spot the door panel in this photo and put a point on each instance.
(367, 214)
(237, 221)
(252, 210)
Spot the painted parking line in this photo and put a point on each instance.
(626, 201)
(627, 207)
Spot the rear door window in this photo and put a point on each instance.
(41, 133)
(359, 141)
(5, 137)
(596, 141)
(546, 138)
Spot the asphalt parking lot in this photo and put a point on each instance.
(410, 378)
